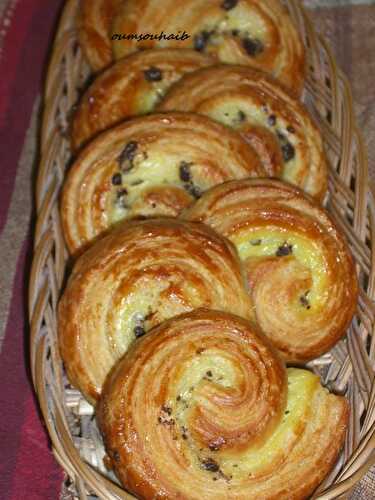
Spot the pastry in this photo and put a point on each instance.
(202, 408)
(257, 33)
(94, 23)
(300, 271)
(139, 275)
(131, 87)
(149, 166)
(276, 124)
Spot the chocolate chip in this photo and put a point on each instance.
(291, 129)
(193, 190)
(288, 152)
(200, 350)
(217, 444)
(185, 174)
(121, 197)
(126, 158)
(229, 4)
(121, 193)
(178, 397)
(287, 412)
(214, 447)
(241, 116)
(209, 373)
(117, 179)
(252, 46)
(200, 40)
(210, 465)
(167, 409)
(166, 421)
(184, 432)
(281, 136)
(139, 331)
(271, 120)
(305, 301)
(153, 74)
(235, 32)
(116, 456)
(284, 250)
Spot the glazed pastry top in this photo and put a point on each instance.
(133, 279)
(202, 407)
(131, 87)
(276, 124)
(149, 166)
(301, 273)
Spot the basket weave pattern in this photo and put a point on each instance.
(347, 369)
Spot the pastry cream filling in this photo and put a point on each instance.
(137, 306)
(146, 101)
(255, 114)
(302, 385)
(155, 170)
(259, 243)
(248, 22)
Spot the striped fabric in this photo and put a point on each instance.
(27, 467)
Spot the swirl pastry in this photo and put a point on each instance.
(300, 271)
(150, 166)
(139, 275)
(200, 408)
(131, 87)
(258, 33)
(276, 124)
(94, 24)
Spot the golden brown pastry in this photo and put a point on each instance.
(276, 124)
(258, 33)
(94, 23)
(301, 273)
(139, 275)
(131, 87)
(149, 166)
(200, 408)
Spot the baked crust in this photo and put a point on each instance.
(131, 87)
(94, 24)
(300, 270)
(139, 275)
(257, 33)
(149, 166)
(251, 102)
(200, 408)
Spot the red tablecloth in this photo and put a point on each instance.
(28, 468)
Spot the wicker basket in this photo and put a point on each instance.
(348, 368)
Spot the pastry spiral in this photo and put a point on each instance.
(131, 87)
(149, 166)
(276, 124)
(200, 408)
(94, 23)
(258, 33)
(139, 275)
(300, 271)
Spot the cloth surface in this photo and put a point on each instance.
(27, 466)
